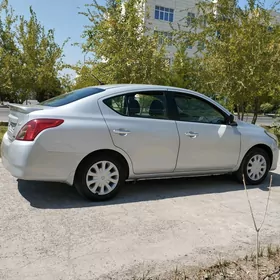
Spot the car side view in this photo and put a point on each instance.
(96, 138)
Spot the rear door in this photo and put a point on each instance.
(139, 125)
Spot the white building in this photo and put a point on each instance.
(164, 13)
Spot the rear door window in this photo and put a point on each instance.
(143, 104)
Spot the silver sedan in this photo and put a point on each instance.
(97, 138)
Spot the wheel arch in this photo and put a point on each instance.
(110, 152)
(264, 147)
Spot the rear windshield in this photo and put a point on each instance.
(70, 97)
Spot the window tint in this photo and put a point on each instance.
(70, 97)
(144, 105)
(192, 109)
(117, 103)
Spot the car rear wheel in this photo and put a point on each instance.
(99, 178)
(255, 167)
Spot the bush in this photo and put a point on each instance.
(266, 108)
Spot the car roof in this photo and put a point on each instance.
(121, 87)
(118, 88)
(132, 86)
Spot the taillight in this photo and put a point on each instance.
(30, 130)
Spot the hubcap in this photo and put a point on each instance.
(256, 167)
(102, 178)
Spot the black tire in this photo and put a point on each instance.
(81, 176)
(243, 167)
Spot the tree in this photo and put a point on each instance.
(266, 108)
(9, 53)
(85, 75)
(30, 59)
(185, 70)
(124, 49)
(67, 82)
(40, 59)
(241, 60)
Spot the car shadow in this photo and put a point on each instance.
(47, 195)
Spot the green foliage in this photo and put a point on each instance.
(40, 58)
(66, 82)
(241, 59)
(185, 70)
(85, 76)
(9, 52)
(266, 108)
(123, 52)
(30, 59)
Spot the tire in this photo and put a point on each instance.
(92, 182)
(254, 173)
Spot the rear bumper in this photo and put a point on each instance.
(14, 156)
(31, 161)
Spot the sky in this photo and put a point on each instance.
(62, 15)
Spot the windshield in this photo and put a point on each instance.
(70, 97)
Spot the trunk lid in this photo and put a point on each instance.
(19, 116)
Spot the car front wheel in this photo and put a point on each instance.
(99, 178)
(255, 167)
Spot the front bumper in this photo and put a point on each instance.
(275, 152)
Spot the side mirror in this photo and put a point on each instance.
(231, 121)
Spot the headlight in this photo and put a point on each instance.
(274, 137)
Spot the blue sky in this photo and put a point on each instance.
(62, 15)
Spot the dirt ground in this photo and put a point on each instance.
(240, 269)
(48, 231)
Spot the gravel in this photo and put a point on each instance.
(48, 231)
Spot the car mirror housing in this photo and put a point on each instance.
(231, 121)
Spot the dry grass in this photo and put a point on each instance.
(3, 129)
(242, 269)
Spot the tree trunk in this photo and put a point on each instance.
(238, 112)
(256, 111)
(242, 111)
(255, 117)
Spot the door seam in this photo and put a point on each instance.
(179, 146)
(112, 137)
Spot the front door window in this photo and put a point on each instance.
(193, 109)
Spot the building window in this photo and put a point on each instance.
(163, 13)
(164, 36)
(190, 18)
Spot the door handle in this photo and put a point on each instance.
(191, 134)
(121, 131)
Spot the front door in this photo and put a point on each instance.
(139, 125)
(206, 142)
